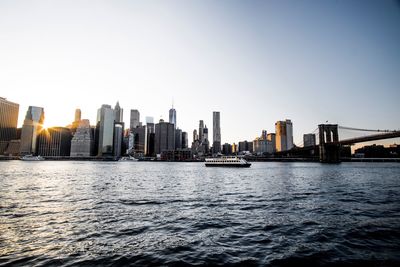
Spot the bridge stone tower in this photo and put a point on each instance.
(329, 147)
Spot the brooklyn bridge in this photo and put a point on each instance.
(330, 145)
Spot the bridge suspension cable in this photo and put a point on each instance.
(365, 130)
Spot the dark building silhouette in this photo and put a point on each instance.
(164, 137)
(226, 149)
(185, 142)
(245, 146)
(178, 138)
(54, 142)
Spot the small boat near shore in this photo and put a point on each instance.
(227, 161)
(32, 158)
(130, 158)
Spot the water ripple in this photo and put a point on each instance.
(277, 214)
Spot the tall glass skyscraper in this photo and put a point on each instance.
(216, 132)
(31, 128)
(135, 119)
(172, 116)
(105, 128)
(8, 122)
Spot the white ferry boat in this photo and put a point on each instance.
(32, 158)
(227, 161)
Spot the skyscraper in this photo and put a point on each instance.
(118, 113)
(185, 142)
(140, 139)
(172, 116)
(77, 115)
(76, 121)
(83, 140)
(118, 138)
(135, 119)
(8, 122)
(31, 128)
(216, 132)
(105, 129)
(164, 137)
(118, 130)
(195, 135)
(201, 133)
(178, 138)
(54, 142)
(284, 135)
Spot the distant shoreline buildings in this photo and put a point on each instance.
(108, 138)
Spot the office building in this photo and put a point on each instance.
(119, 126)
(135, 119)
(164, 137)
(245, 146)
(77, 120)
(105, 130)
(226, 149)
(216, 132)
(201, 128)
(185, 141)
(272, 138)
(178, 139)
(309, 140)
(118, 113)
(151, 144)
(234, 148)
(140, 140)
(172, 116)
(8, 123)
(83, 141)
(205, 134)
(31, 128)
(54, 142)
(118, 138)
(284, 135)
(262, 145)
(195, 135)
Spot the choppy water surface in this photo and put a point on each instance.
(143, 213)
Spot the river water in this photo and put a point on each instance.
(144, 213)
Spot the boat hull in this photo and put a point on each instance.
(238, 165)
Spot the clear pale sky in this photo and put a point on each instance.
(254, 61)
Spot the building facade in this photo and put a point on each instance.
(185, 141)
(164, 139)
(201, 131)
(8, 123)
(216, 132)
(284, 135)
(172, 116)
(178, 138)
(33, 124)
(105, 129)
(140, 135)
(54, 142)
(135, 119)
(272, 138)
(83, 141)
(309, 140)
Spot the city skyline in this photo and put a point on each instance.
(246, 60)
